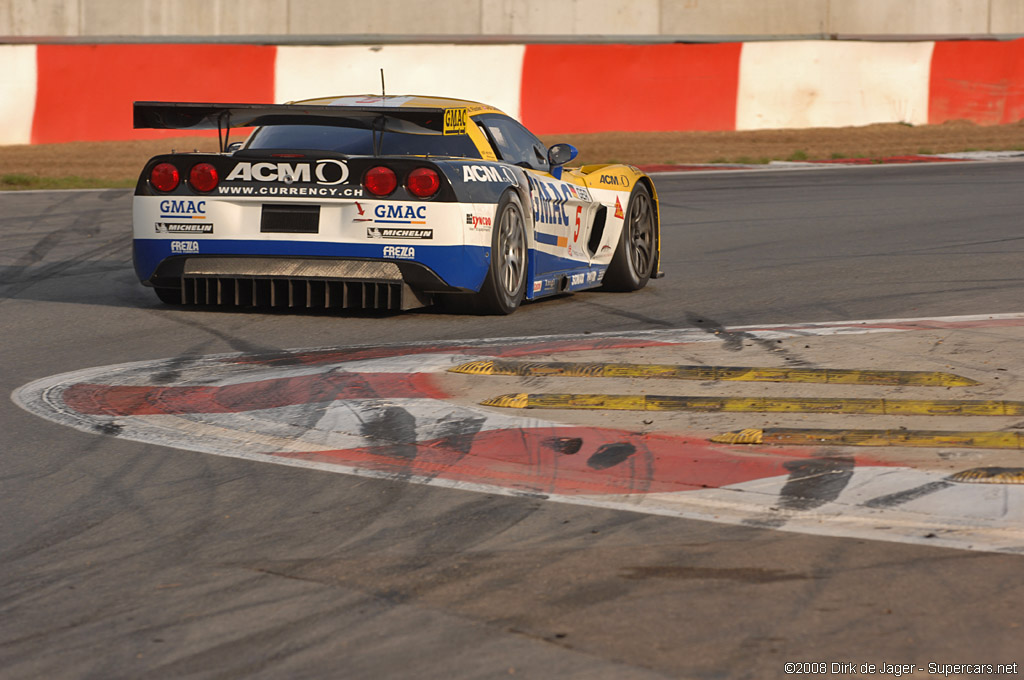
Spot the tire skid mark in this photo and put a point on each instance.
(610, 455)
(522, 460)
(85, 223)
(810, 485)
(732, 339)
(815, 482)
(22, 277)
(507, 347)
(901, 497)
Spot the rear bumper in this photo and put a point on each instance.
(293, 282)
(313, 275)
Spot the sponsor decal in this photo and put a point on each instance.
(182, 209)
(615, 180)
(537, 285)
(551, 239)
(318, 192)
(618, 209)
(455, 121)
(326, 171)
(583, 278)
(184, 246)
(392, 232)
(478, 222)
(400, 252)
(549, 199)
(361, 213)
(396, 213)
(487, 173)
(184, 227)
(580, 193)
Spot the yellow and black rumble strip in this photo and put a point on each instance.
(779, 436)
(990, 475)
(703, 404)
(832, 376)
(846, 437)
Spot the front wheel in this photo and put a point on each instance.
(633, 263)
(505, 284)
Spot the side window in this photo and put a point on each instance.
(514, 143)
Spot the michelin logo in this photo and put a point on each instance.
(387, 232)
(184, 228)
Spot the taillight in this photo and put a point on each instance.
(380, 181)
(423, 182)
(203, 177)
(164, 177)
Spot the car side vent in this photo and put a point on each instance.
(598, 231)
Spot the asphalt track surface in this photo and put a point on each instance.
(124, 559)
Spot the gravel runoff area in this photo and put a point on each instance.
(118, 163)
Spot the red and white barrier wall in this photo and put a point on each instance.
(60, 93)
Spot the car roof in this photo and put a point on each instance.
(402, 101)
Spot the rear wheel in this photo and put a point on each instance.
(505, 284)
(633, 262)
(169, 296)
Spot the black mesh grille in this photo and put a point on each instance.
(290, 219)
(307, 293)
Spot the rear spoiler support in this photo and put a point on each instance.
(224, 123)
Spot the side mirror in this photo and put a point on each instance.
(559, 155)
(233, 147)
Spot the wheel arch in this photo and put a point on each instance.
(522, 189)
(498, 295)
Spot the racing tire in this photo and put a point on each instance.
(505, 284)
(169, 296)
(633, 262)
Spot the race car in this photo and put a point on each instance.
(382, 202)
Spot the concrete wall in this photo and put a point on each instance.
(818, 83)
(486, 73)
(18, 80)
(345, 19)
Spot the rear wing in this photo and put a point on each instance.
(223, 117)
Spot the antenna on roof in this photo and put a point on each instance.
(379, 141)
